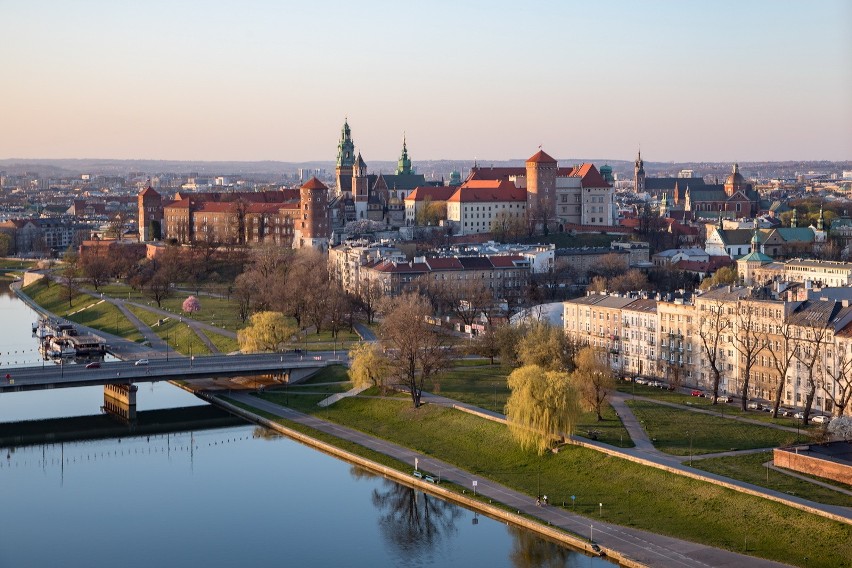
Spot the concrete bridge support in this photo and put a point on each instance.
(120, 401)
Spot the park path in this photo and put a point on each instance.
(647, 548)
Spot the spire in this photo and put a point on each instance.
(720, 218)
(821, 220)
(403, 166)
(345, 148)
(755, 239)
(794, 220)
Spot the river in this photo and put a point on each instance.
(231, 496)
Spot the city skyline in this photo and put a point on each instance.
(729, 81)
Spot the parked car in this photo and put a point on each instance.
(821, 419)
(640, 381)
(707, 394)
(725, 398)
(655, 384)
(786, 411)
(799, 415)
(141, 362)
(754, 405)
(697, 393)
(628, 379)
(93, 365)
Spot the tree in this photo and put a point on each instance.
(727, 275)
(630, 281)
(748, 341)
(593, 379)
(191, 304)
(95, 267)
(485, 343)
(469, 298)
(810, 350)
(415, 351)
(542, 407)
(267, 331)
(713, 326)
(507, 337)
(368, 367)
(548, 347)
(245, 291)
(70, 268)
(6, 244)
(159, 286)
(841, 427)
(369, 294)
(839, 389)
(783, 351)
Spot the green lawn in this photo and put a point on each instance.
(705, 404)
(631, 494)
(750, 468)
(680, 432)
(477, 382)
(84, 309)
(16, 264)
(223, 343)
(179, 336)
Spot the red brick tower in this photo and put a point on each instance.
(313, 228)
(541, 188)
(150, 218)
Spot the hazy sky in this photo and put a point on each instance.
(273, 80)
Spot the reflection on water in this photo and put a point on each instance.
(411, 521)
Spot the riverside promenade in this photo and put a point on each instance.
(637, 547)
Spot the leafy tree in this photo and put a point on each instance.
(541, 408)
(486, 343)
(507, 337)
(727, 275)
(415, 351)
(267, 331)
(5, 244)
(191, 304)
(548, 347)
(368, 366)
(593, 378)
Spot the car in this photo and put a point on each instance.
(628, 379)
(820, 419)
(696, 392)
(141, 362)
(708, 394)
(799, 415)
(785, 411)
(640, 381)
(654, 383)
(754, 405)
(725, 398)
(93, 365)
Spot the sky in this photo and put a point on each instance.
(739, 80)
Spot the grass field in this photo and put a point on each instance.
(750, 468)
(84, 309)
(631, 494)
(179, 336)
(223, 343)
(681, 432)
(16, 264)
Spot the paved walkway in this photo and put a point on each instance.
(341, 395)
(647, 548)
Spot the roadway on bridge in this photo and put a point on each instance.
(51, 375)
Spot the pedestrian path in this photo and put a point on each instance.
(341, 395)
(644, 547)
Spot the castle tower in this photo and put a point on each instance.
(345, 160)
(541, 188)
(150, 215)
(639, 174)
(313, 228)
(403, 166)
(360, 188)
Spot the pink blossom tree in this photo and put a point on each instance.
(191, 304)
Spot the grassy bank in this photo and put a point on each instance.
(83, 309)
(179, 336)
(631, 494)
(681, 432)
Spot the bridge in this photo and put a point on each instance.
(291, 367)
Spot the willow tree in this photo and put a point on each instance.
(542, 408)
(368, 366)
(267, 331)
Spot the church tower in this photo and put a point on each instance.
(403, 166)
(360, 187)
(639, 174)
(345, 159)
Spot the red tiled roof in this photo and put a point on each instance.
(591, 176)
(434, 193)
(488, 190)
(401, 267)
(480, 173)
(181, 203)
(314, 183)
(505, 261)
(149, 191)
(541, 157)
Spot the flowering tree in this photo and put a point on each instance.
(191, 304)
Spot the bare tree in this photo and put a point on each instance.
(839, 389)
(468, 298)
(810, 349)
(783, 351)
(415, 351)
(748, 341)
(369, 294)
(714, 326)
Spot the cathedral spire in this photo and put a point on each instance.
(403, 166)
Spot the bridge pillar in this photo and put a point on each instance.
(120, 401)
